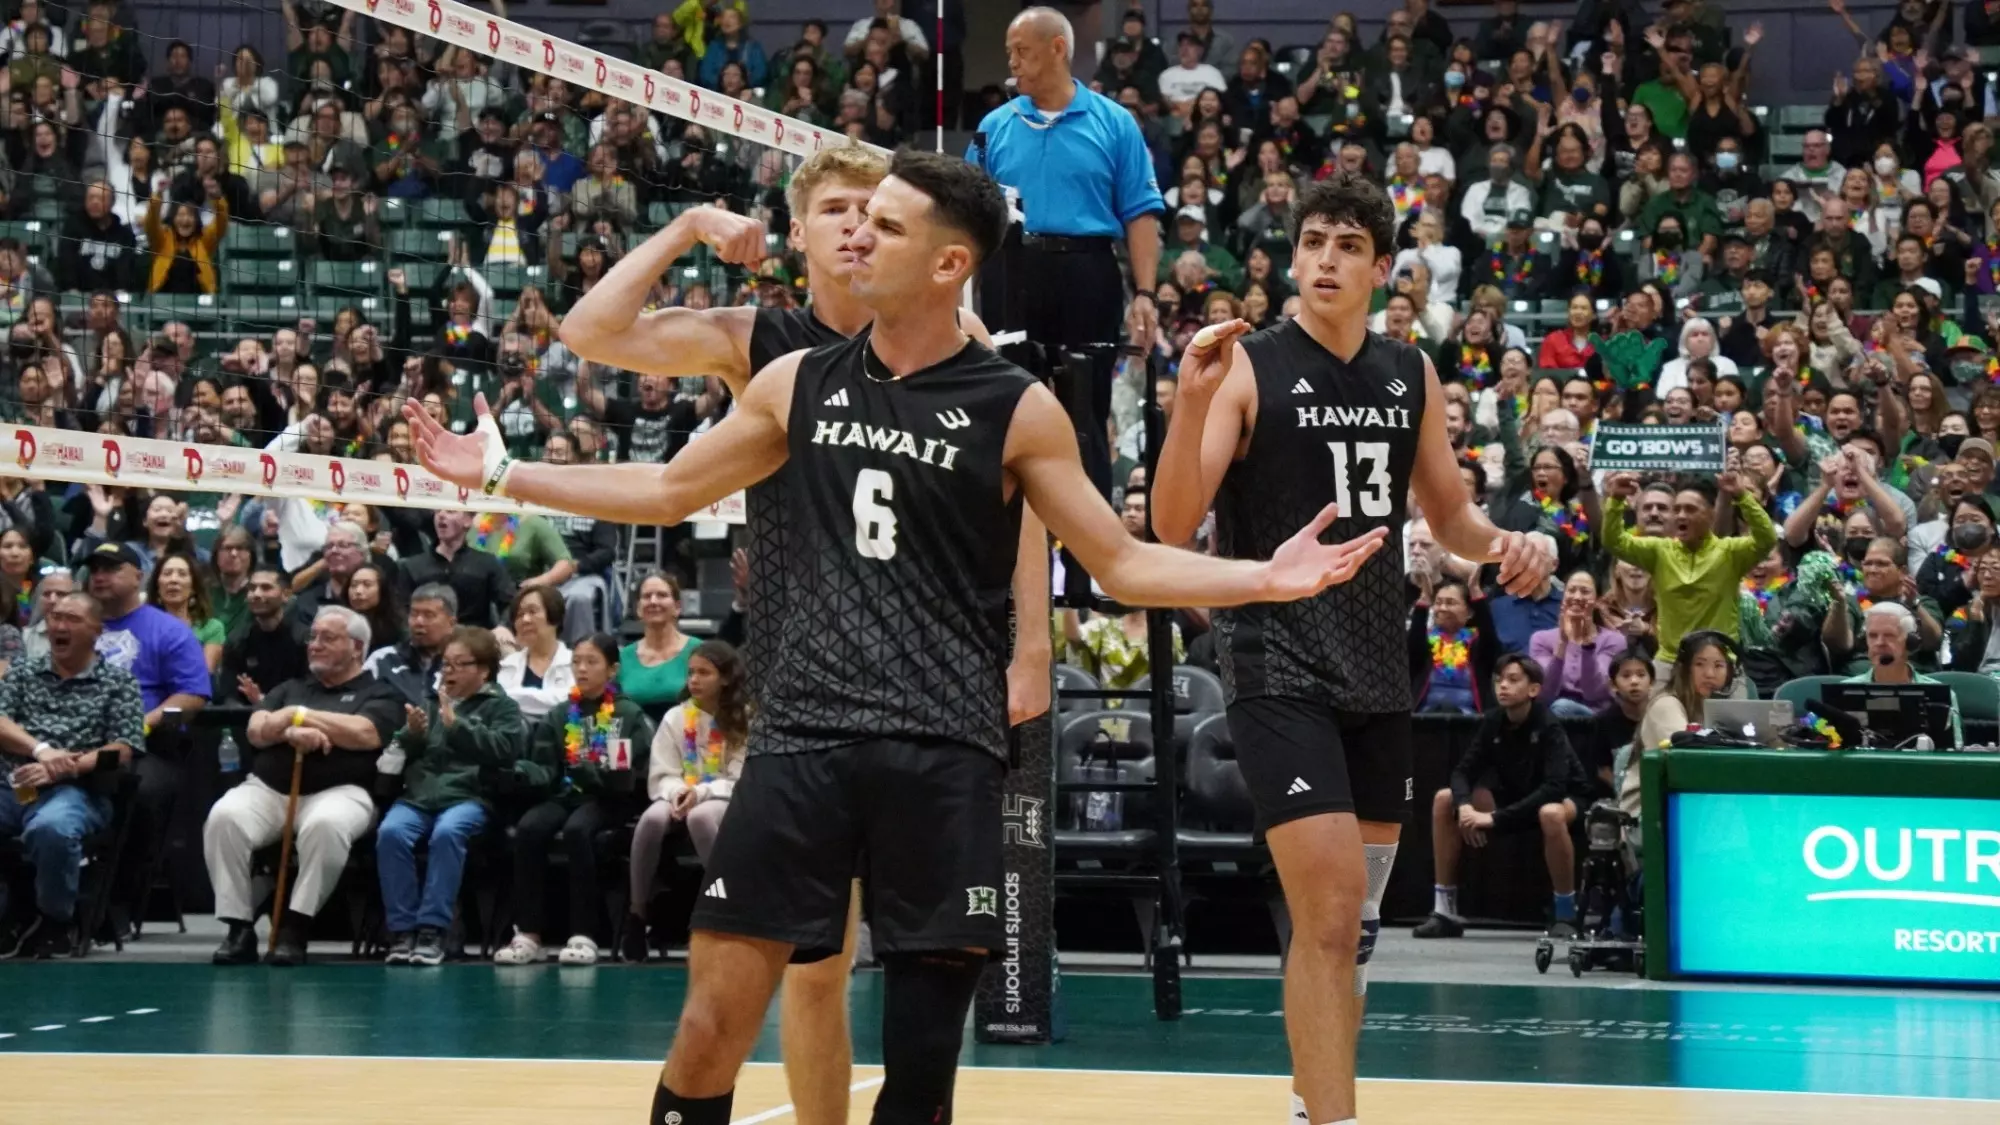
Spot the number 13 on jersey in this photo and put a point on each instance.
(1374, 492)
(874, 520)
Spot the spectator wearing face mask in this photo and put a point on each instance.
(1949, 574)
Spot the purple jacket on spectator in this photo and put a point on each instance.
(157, 648)
(1584, 673)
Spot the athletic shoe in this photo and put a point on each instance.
(1563, 930)
(429, 948)
(581, 950)
(239, 947)
(632, 947)
(23, 941)
(523, 950)
(400, 946)
(1439, 926)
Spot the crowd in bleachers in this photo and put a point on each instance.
(1597, 223)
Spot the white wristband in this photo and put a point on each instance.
(495, 465)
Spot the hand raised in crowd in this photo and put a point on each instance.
(248, 689)
(1839, 85)
(1832, 465)
(1907, 590)
(1622, 485)
(415, 719)
(1754, 35)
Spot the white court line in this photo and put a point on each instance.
(774, 1114)
(1120, 1071)
(97, 1019)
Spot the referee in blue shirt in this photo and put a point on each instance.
(1075, 164)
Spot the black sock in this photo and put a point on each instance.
(670, 1108)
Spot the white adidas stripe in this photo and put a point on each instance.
(1302, 388)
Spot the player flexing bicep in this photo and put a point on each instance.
(1043, 459)
(1461, 526)
(747, 447)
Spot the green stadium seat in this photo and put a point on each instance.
(48, 211)
(394, 213)
(201, 311)
(441, 213)
(508, 281)
(1804, 693)
(658, 215)
(356, 279)
(1799, 118)
(408, 245)
(325, 307)
(1978, 695)
(1785, 146)
(259, 240)
(262, 314)
(258, 275)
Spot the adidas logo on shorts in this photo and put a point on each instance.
(1302, 388)
(715, 890)
(838, 398)
(1298, 786)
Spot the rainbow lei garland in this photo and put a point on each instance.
(1993, 369)
(455, 334)
(1475, 365)
(1590, 267)
(1667, 267)
(1822, 728)
(589, 740)
(1472, 453)
(1841, 509)
(495, 534)
(1992, 263)
(1514, 275)
(1958, 620)
(698, 762)
(1406, 197)
(1569, 519)
(1764, 591)
(1951, 556)
(24, 603)
(1452, 653)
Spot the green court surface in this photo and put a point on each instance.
(1847, 1042)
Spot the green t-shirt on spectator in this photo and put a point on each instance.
(1669, 109)
(527, 545)
(656, 687)
(1697, 213)
(1578, 193)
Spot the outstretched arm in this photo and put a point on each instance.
(608, 325)
(1461, 526)
(1042, 456)
(1034, 648)
(748, 446)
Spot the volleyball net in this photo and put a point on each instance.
(229, 276)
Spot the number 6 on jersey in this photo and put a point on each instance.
(874, 521)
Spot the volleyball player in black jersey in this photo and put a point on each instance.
(880, 740)
(1317, 411)
(826, 197)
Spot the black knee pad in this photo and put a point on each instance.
(925, 997)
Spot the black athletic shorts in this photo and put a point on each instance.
(918, 823)
(1301, 759)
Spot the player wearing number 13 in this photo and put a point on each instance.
(914, 448)
(1318, 411)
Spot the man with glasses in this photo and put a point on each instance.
(1817, 173)
(412, 667)
(338, 717)
(345, 550)
(60, 715)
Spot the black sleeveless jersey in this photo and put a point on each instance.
(899, 555)
(1326, 430)
(774, 333)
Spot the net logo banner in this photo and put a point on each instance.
(1867, 888)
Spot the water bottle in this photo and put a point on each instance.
(227, 755)
(391, 761)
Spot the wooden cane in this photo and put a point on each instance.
(285, 848)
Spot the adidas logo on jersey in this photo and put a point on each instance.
(1298, 786)
(1302, 388)
(716, 890)
(838, 398)
(1397, 388)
